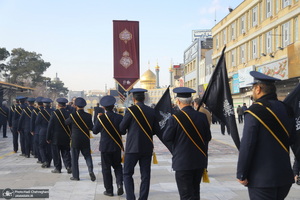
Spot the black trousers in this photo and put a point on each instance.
(130, 162)
(15, 138)
(4, 125)
(36, 147)
(274, 193)
(45, 149)
(86, 152)
(108, 160)
(188, 183)
(27, 142)
(22, 141)
(61, 152)
(240, 117)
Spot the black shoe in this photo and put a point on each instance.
(56, 171)
(4, 136)
(93, 177)
(74, 179)
(22, 154)
(120, 190)
(39, 162)
(27, 156)
(45, 165)
(69, 170)
(108, 194)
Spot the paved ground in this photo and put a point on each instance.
(17, 172)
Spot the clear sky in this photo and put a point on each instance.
(75, 36)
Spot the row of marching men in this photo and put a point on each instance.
(50, 134)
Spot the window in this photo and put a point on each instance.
(217, 41)
(296, 31)
(242, 54)
(262, 47)
(276, 35)
(254, 16)
(224, 37)
(233, 31)
(243, 24)
(269, 41)
(254, 49)
(286, 34)
(233, 58)
(269, 8)
(285, 3)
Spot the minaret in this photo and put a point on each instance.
(157, 75)
(171, 75)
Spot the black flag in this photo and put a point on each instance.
(164, 111)
(293, 100)
(218, 99)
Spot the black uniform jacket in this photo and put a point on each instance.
(35, 128)
(56, 133)
(97, 110)
(79, 139)
(42, 122)
(262, 160)
(24, 121)
(3, 117)
(186, 156)
(137, 141)
(107, 144)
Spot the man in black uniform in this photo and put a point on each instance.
(97, 110)
(110, 145)
(81, 123)
(4, 111)
(59, 135)
(42, 120)
(11, 124)
(141, 123)
(264, 164)
(34, 129)
(189, 132)
(24, 126)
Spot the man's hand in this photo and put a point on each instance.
(244, 182)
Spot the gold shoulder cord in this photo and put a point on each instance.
(62, 125)
(79, 126)
(189, 136)
(265, 125)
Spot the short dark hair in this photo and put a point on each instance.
(109, 108)
(267, 88)
(140, 97)
(197, 101)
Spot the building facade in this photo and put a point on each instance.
(261, 35)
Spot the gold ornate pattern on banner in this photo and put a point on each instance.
(265, 125)
(189, 136)
(126, 61)
(125, 36)
(275, 118)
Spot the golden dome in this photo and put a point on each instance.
(148, 80)
(148, 76)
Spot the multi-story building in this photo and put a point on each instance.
(192, 58)
(261, 35)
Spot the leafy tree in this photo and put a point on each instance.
(26, 67)
(3, 54)
(57, 89)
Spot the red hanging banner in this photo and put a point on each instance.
(126, 53)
